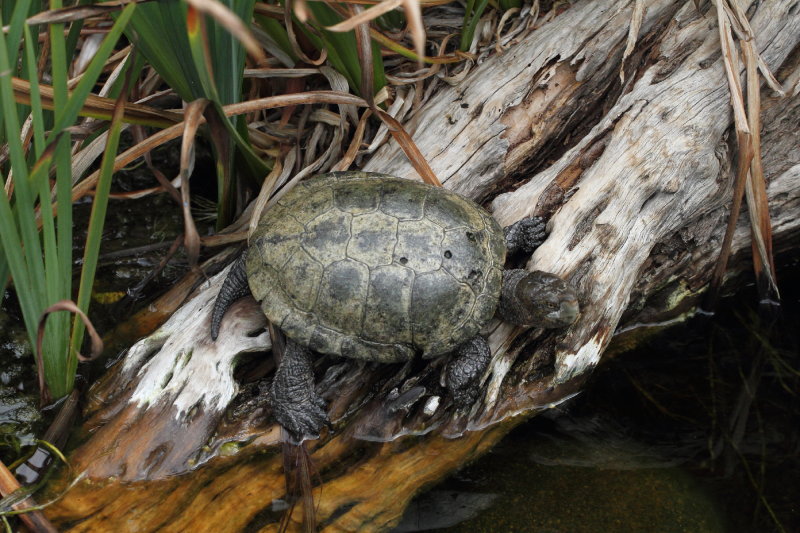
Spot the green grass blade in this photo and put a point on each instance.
(95, 231)
(36, 100)
(39, 177)
(18, 232)
(26, 252)
(197, 46)
(4, 271)
(158, 31)
(278, 33)
(24, 198)
(342, 49)
(472, 16)
(54, 351)
(16, 23)
(78, 96)
(228, 54)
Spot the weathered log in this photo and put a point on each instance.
(636, 177)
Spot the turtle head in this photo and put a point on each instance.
(539, 299)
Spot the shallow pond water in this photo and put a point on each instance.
(20, 420)
(663, 439)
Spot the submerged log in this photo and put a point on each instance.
(636, 178)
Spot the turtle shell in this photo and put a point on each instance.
(375, 267)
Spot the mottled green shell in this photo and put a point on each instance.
(376, 267)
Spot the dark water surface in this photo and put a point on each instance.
(664, 439)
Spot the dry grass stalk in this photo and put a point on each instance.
(267, 188)
(750, 175)
(228, 20)
(194, 115)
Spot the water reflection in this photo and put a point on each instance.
(696, 431)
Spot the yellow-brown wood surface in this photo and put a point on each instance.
(366, 488)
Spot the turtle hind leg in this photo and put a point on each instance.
(234, 287)
(464, 371)
(295, 403)
(525, 235)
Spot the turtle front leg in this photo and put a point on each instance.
(234, 287)
(525, 235)
(465, 369)
(295, 403)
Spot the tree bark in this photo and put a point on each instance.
(636, 179)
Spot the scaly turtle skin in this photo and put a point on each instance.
(375, 267)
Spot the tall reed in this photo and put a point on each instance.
(37, 241)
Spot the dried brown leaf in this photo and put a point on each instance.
(84, 187)
(756, 188)
(99, 107)
(352, 150)
(288, 23)
(414, 18)
(731, 61)
(363, 17)
(279, 72)
(231, 22)
(194, 118)
(222, 239)
(69, 14)
(745, 156)
(409, 147)
(267, 188)
(338, 82)
(364, 44)
(507, 14)
(749, 175)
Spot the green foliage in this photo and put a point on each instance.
(280, 39)
(343, 49)
(202, 64)
(472, 15)
(505, 5)
(40, 262)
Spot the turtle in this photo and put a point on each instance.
(380, 268)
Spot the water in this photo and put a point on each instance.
(662, 440)
(20, 420)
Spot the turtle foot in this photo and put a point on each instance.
(295, 403)
(525, 235)
(302, 420)
(464, 397)
(463, 372)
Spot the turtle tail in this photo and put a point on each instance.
(234, 287)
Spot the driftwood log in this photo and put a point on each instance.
(636, 176)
